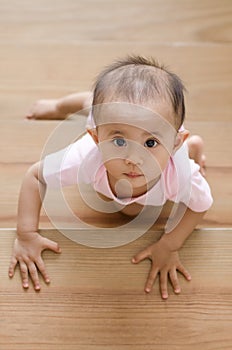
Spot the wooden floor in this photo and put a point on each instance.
(96, 301)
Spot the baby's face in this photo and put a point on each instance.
(136, 145)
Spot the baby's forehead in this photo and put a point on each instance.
(135, 115)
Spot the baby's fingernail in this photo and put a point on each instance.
(25, 285)
(47, 280)
(147, 290)
(177, 290)
(165, 296)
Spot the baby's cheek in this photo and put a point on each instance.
(152, 171)
(156, 164)
(162, 157)
(113, 166)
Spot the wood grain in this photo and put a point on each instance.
(96, 299)
(91, 20)
(50, 70)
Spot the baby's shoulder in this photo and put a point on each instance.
(181, 166)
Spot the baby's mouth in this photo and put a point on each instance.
(133, 175)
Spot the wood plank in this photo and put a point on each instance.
(96, 300)
(217, 141)
(85, 20)
(43, 70)
(31, 137)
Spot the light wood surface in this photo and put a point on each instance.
(57, 68)
(95, 300)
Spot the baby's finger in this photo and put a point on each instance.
(41, 266)
(144, 254)
(164, 284)
(151, 279)
(31, 113)
(48, 244)
(24, 274)
(29, 116)
(34, 275)
(184, 272)
(174, 280)
(12, 266)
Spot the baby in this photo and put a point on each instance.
(135, 153)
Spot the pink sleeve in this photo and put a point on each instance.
(184, 182)
(200, 195)
(61, 168)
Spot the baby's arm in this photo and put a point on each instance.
(62, 107)
(29, 244)
(164, 254)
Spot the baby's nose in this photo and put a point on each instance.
(135, 159)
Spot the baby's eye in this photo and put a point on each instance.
(151, 143)
(119, 142)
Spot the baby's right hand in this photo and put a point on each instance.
(45, 109)
(27, 252)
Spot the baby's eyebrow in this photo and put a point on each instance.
(153, 133)
(115, 132)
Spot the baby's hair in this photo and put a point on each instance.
(140, 80)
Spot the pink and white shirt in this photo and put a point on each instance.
(81, 162)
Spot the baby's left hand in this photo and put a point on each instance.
(164, 262)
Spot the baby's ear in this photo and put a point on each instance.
(93, 134)
(180, 138)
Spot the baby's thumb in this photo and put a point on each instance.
(52, 246)
(140, 257)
